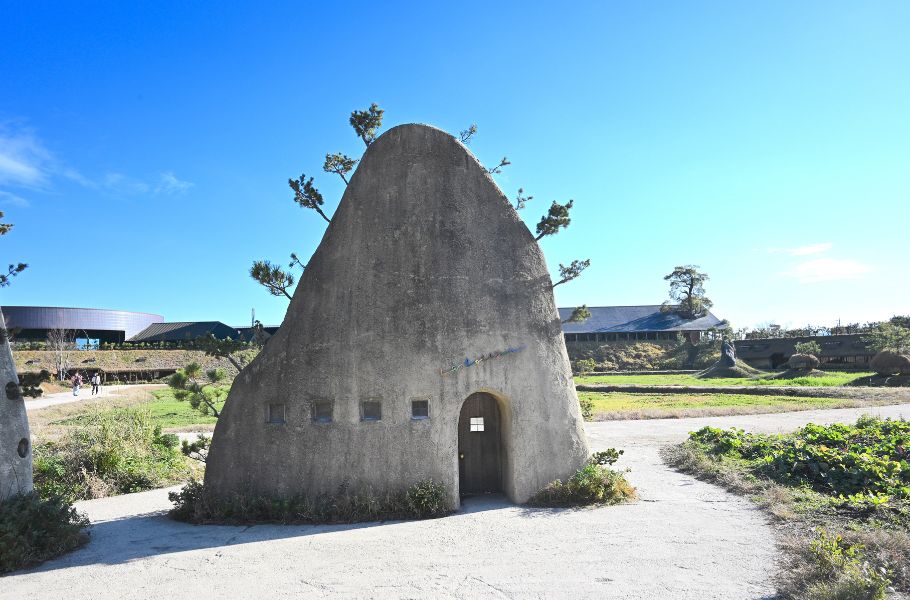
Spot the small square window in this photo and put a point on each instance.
(322, 411)
(476, 423)
(420, 409)
(371, 410)
(276, 414)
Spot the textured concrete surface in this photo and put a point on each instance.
(15, 442)
(425, 264)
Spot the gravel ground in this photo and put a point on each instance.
(683, 539)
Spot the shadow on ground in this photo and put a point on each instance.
(118, 541)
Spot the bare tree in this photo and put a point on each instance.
(61, 342)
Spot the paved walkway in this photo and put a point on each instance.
(685, 539)
(85, 393)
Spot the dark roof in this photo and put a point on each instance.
(623, 319)
(850, 344)
(186, 330)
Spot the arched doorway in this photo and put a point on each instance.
(479, 446)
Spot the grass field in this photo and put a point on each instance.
(830, 380)
(622, 405)
(164, 409)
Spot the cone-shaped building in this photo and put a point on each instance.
(15, 445)
(422, 343)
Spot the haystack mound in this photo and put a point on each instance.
(794, 373)
(888, 362)
(422, 344)
(721, 371)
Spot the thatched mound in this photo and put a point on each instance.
(720, 371)
(794, 373)
(803, 362)
(888, 362)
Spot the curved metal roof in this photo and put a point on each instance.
(625, 319)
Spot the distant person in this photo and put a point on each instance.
(96, 383)
(77, 383)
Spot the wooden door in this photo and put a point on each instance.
(479, 466)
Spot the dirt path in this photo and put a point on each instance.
(683, 539)
(85, 393)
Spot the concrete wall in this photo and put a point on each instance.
(425, 264)
(15, 443)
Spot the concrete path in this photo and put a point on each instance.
(684, 539)
(84, 394)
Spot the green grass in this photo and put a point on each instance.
(164, 409)
(832, 379)
(618, 405)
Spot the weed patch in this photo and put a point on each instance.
(595, 483)
(194, 504)
(33, 530)
(113, 452)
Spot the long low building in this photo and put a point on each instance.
(35, 322)
(846, 351)
(627, 323)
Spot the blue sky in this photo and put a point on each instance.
(145, 150)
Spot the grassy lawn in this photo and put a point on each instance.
(830, 380)
(164, 410)
(623, 405)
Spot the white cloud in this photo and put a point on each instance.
(827, 269)
(811, 249)
(24, 161)
(118, 183)
(13, 200)
(169, 184)
(803, 250)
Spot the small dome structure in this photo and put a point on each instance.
(422, 343)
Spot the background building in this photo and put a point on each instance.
(34, 322)
(848, 350)
(624, 323)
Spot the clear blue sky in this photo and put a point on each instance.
(145, 150)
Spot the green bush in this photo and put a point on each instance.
(835, 570)
(868, 459)
(33, 530)
(112, 452)
(587, 408)
(808, 348)
(194, 504)
(595, 483)
(584, 365)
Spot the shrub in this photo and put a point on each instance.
(802, 362)
(888, 362)
(607, 457)
(832, 569)
(587, 408)
(808, 348)
(584, 365)
(865, 460)
(595, 483)
(112, 452)
(33, 530)
(194, 504)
